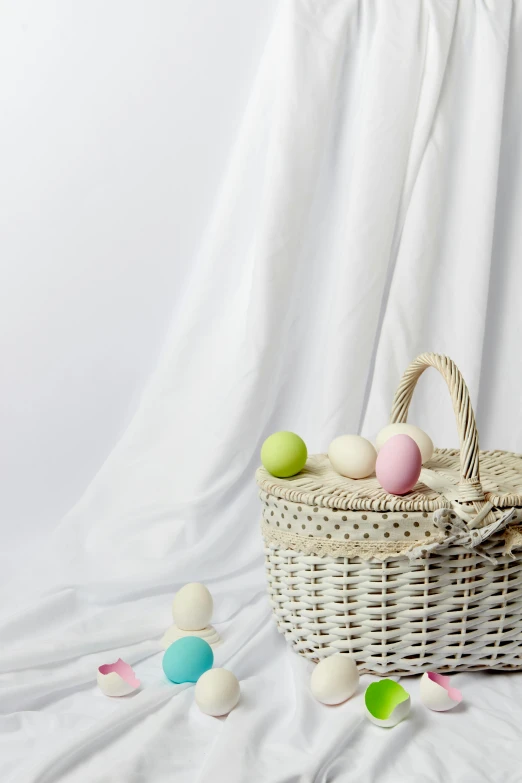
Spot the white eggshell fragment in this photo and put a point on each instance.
(117, 679)
(334, 679)
(352, 456)
(192, 607)
(437, 694)
(217, 692)
(423, 441)
(400, 712)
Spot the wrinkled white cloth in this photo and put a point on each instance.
(370, 213)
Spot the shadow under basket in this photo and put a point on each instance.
(431, 580)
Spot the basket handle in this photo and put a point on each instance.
(469, 489)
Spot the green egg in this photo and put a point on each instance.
(284, 454)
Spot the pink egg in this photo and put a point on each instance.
(398, 465)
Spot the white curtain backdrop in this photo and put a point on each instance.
(371, 212)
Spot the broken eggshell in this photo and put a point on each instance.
(436, 692)
(387, 703)
(117, 679)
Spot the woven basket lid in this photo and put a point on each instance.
(477, 476)
(319, 485)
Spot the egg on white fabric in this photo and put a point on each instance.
(436, 692)
(117, 679)
(352, 456)
(422, 439)
(217, 692)
(192, 607)
(334, 679)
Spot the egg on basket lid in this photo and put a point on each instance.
(284, 454)
(421, 438)
(352, 456)
(398, 466)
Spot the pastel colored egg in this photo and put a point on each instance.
(386, 703)
(421, 438)
(334, 679)
(437, 694)
(187, 659)
(284, 454)
(192, 607)
(352, 456)
(117, 679)
(217, 692)
(398, 465)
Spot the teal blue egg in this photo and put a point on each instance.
(187, 659)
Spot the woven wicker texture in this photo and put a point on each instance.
(445, 613)
(319, 485)
(450, 610)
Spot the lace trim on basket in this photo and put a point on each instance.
(453, 535)
(365, 550)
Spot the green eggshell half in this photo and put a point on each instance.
(382, 697)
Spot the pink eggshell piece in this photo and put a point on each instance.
(398, 465)
(117, 679)
(440, 679)
(123, 670)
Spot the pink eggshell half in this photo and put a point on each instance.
(398, 465)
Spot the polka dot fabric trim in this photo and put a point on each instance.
(366, 534)
(363, 549)
(286, 521)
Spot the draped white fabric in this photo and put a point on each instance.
(371, 212)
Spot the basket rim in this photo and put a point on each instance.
(319, 485)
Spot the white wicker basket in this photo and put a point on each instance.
(426, 581)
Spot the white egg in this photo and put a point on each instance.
(334, 679)
(117, 679)
(423, 441)
(217, 692)
(352, 456)
(192, 607)
(437, 694)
